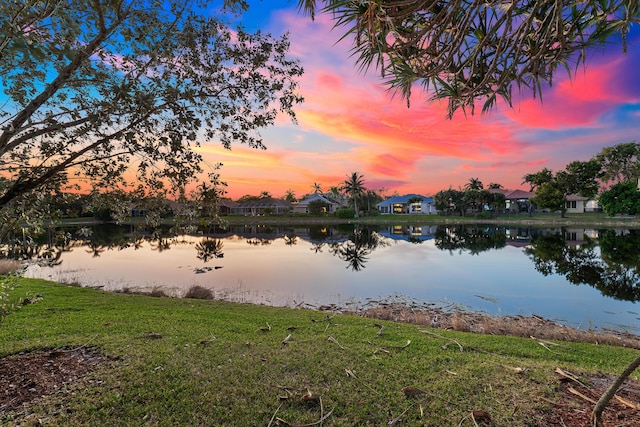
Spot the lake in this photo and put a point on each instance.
(579, 277)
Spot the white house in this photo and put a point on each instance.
(407, 204)
(303, 205)
(576, 204)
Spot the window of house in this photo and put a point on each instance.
(572, 204)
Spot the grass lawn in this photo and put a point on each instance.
(593, 220)
(199, 362)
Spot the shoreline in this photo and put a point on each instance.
(538, 220)
(534, 327)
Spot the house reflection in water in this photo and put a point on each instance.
(409, 233)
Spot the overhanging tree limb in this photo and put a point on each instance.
(468, 51)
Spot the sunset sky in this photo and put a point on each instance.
(350, 123)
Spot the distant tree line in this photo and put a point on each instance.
(611, 176)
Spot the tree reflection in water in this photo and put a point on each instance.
(208, 249)
(360, 244)
(614, 272)
(472, 238)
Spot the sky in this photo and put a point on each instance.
(349, 123)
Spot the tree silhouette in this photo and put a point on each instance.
(353, 186)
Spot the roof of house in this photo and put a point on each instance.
(314, 197)
(512, 194)
(265, 202)
(404, 199)
(228, 203)
(575, 197)
(519, 194)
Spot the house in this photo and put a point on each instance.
(263, 206)
(226, 206)
(576, 204)
(303, 205)
(407, 204)
(516, 200)
(592, 205)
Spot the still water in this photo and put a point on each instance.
(581, 278)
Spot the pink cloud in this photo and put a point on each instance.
(349, 122)
(390, 165)
(580, 101)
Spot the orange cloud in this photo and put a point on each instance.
(349, 122)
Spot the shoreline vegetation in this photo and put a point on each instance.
(430, 315)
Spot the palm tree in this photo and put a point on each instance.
(474, 184)
(290, 196)
(317, 188)
(334, 193)
(353, 186)
(494, 186)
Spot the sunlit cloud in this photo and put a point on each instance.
(581, 101)
(350, 122)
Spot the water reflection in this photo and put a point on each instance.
(208, 249)
(613, 270)
(471, 238)
(362, 241)
(607, 260)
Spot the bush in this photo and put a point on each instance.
(199, 292)
(345, 213)
(485, 215)
(318, 207)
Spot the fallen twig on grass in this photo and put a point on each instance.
(545, 344)
(424, 331)
(265, 329)
(280, 421)
(209, 341)
(333, 340)
(326, 319)
(71, 350)
(626, 402)
(350, 374)
(274, 415)
(577, 393)
(151, 335)
(399, 417)
(569, 376)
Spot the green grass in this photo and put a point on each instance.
(241, 376)
(537, 219)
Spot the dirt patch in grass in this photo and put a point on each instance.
(575, 403)
(26, 377)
